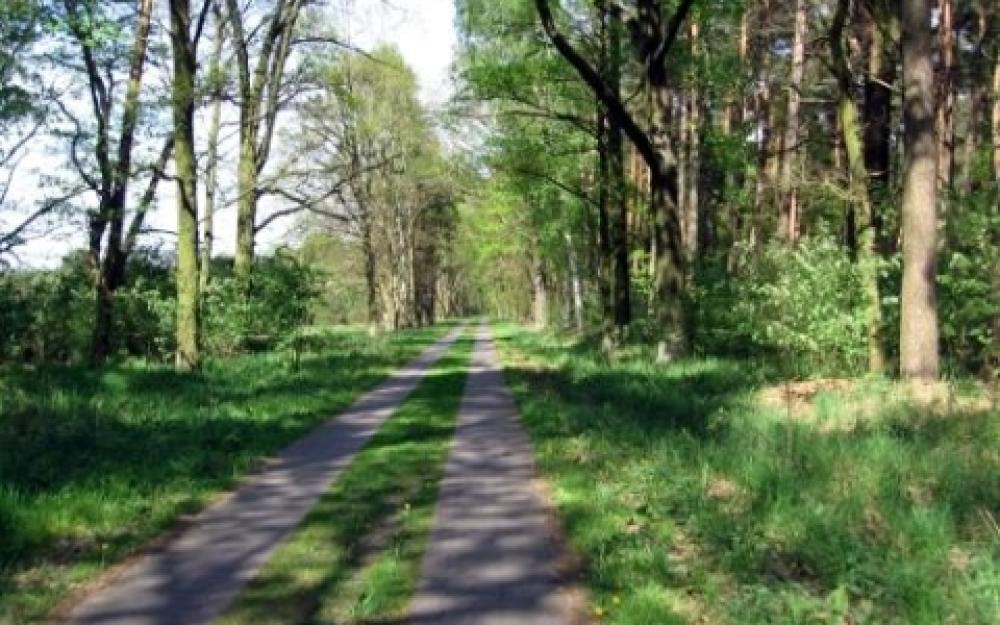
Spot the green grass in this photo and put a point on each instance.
(94, 463)
(356, 557)
(690, 502)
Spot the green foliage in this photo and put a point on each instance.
(279, 302)
(803, 304)
(356, 556)
(967, 283)
(97, 461)
(691, 501)
(46, 315)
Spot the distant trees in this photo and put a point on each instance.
(377, 174)
(764, 128)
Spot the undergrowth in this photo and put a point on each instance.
(94, 462)
(691, 502)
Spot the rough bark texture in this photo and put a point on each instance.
(946, 96)
(877, 116)
(919, 328)
(850, 126)
(259, 101)
(652, 37)
(788, 219)
(188, 356)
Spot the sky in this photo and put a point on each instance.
(423, 30)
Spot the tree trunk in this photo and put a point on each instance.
(540, 294)
(867, 256)
(576, 283)
(879, 82)
(919, 327)
(788, 219)
(246, 201)
(185, 166)
(605, 264)
(996, 121)
(945, 120)
(217, 73)
(110, 273)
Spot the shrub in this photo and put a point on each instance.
(804, 304)
(280, 299)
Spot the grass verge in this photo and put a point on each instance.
(94, 463)
(356, 557)
(693, 503)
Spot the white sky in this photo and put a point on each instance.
(423, 30)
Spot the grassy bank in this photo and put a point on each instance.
(93, 463)
(356, 557)
(693, 501)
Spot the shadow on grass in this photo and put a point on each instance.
(378, 510)
(690, 502)
(93, 462)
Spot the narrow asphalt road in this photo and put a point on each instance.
(196, 576)
(491, 557)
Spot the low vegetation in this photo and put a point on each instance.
(97, 461)
(356, 557)
(694, 497)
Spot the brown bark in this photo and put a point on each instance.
(788, 220)
(652, 36)
(945, 120)
(919, 328)
(765, 128)
(880, 79)
(862, 233)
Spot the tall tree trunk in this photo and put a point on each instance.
(217, 73)
(919, 327)
(867, 255)
(540, 293)
(879, 81)
(622, 283)
(260, 100)
(763, 191)
(996, 121)
(246, 199)
(788, 219)
(693, 177)
(185, 166)
(652, 37)
(945, 120)
(110, 272)
(605, 263)
(576, 283)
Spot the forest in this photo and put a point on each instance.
(740, 260)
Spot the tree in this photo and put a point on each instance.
(918, 324)
(259, 100)
(652, 35)
(188, 354)
(84, 22)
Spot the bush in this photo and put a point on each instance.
(46, 315)
(804, 304)
(281, 295)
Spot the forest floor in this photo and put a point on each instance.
(96, 463)
(704, 492)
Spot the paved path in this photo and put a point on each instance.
(491, 558)
(197, 575)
